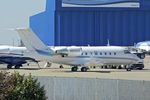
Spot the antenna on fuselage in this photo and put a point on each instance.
(108, 43)
(134, 44)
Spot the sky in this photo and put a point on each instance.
(15, 14)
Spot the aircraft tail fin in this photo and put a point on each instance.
(32, 41)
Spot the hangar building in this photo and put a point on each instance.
(92, 22)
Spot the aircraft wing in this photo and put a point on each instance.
(15, 60)
(94, 62)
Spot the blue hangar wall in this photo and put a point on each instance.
(65, 26)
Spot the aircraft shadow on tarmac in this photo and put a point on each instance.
(110, 71)
(29, 69)
(20, 69)
(89, 72)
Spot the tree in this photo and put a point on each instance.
(24, 88)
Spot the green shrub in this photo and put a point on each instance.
(23, 88)
(6, 84)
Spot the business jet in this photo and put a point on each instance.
(15, 56)
(78, 56)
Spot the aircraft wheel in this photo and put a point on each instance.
(125, 66)
(119, 67)
(61, 66)
(18, 66)
(105, 67)
(128, 69)
(83, 69)
(74, 69)
(48, 64)
(9, 66)
(114, 67)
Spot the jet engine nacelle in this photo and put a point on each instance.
(74, 51)
(71, 51)
(62, 51)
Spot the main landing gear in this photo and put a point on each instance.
(61, 66)
(84, 69)
(16, 66)
(75, 69)
(129, 67)
(9, 66)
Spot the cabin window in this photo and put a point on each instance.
(100, 53)
(114, 53)
(22, 52)
(96, 53)
(91, 53)
(110, 53)
(82, 53)
(86, 53)
(105, 53)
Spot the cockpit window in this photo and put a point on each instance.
(126, 51)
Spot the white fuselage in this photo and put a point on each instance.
(12, 51)
(78, 56)
(92, 56)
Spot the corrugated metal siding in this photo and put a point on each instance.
(93, 26)
(74, 28)
(63, 88)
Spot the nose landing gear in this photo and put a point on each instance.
(129, 67)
